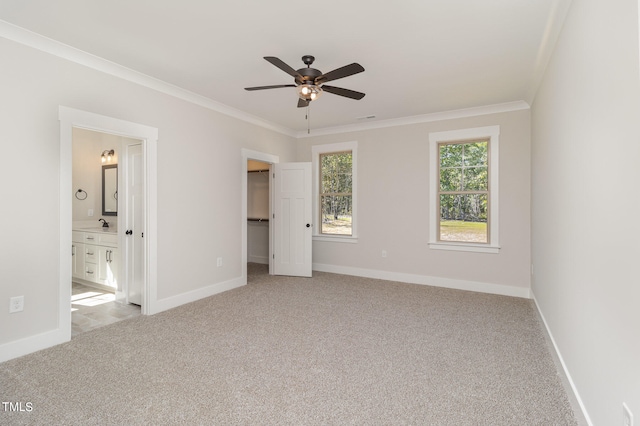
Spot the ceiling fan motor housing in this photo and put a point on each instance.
(309, 74)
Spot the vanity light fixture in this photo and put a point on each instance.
(107, 155)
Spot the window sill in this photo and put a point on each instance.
(336, 239)
(465, 247)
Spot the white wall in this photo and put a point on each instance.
(199, 184)
(393, 209)
(585, 204)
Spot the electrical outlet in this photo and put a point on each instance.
(16, 304)
(90, 212)
(384, 253)
(219, 262)
(627, 415)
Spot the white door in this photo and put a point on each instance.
(134, 217)
(292, 219)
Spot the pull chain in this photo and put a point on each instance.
(308, 116)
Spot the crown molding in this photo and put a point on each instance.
(56, 48)
(555, 23)
(417, 119)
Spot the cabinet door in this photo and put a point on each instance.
(77, 260)
(107, 266)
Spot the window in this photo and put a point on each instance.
(336, 197)
(464, 190)
(335, 188)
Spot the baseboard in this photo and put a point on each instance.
(32, 344)
(192, 296)
(264, 260)
(503, 290)
(576, 394)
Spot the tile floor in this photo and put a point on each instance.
(93, 308)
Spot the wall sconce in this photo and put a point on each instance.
(107, 155)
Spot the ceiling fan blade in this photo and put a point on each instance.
(342, 72)
(302, 103)
(284, 67)
(277, 86)
(343, 92)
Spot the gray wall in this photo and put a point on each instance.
(393, 207)
(585, 204)
(199, 180)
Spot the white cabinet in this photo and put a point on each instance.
(107, 266)
(77, 260)
(95, 258)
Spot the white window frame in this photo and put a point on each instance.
(491, 133)
(316, 151)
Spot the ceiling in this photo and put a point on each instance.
(420, 56)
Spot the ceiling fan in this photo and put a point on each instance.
(309, 82)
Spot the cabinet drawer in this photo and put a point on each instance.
(90, 271)
(90, 237)
(108, 239)
(90, 253)
(77, 236)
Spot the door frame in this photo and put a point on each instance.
(70, 118)
(249, 154)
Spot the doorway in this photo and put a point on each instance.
(108, 185)
(290, 202)
(258, 208)
(258, 161)
(147, 138)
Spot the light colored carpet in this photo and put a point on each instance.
(328, 350)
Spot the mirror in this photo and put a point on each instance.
(110, 190)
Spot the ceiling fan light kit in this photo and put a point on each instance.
(309, 92)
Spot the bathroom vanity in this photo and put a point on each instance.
(95, 257)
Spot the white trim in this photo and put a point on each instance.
(70, 118)
(316, 150)
(418, 119)
(493, 133)
(480, 287)
(35, 343)
(335, 239)
(555, 22)
(248, 154)
(453, 246)
(564, 366)
(61, 50)
(197, 294)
